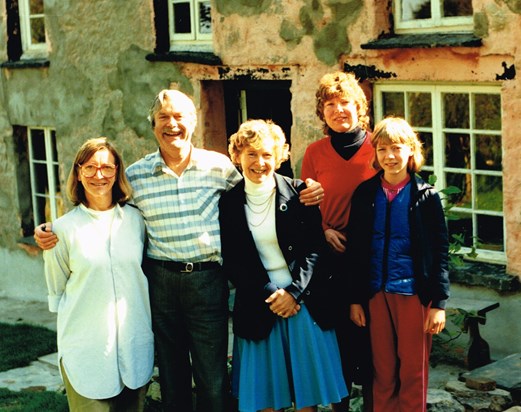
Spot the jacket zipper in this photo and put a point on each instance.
(385, 263)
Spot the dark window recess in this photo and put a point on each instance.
(14, 38)
(23, 178)
(265, 99)
(161, 23)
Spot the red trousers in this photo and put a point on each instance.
(400, 353)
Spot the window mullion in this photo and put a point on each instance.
(243, 106)
(32, 173)
(193, 18)
(436, 11)
(25, 25)
(51, 178)
(472, 110)
(438, 143)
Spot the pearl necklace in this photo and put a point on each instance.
(261, 209)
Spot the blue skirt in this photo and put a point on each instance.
(298, 362)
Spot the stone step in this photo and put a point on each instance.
(476, 400)
(506, 372)
(50, 359)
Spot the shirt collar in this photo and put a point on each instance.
(158, 164)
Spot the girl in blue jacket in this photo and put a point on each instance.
(398, 249)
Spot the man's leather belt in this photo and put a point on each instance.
(186, 267)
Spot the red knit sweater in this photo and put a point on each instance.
(338, 177)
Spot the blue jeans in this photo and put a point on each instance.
(190, 322)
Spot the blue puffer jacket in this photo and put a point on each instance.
(391, 261)
(428, 242)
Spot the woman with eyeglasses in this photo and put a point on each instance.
(96, 285)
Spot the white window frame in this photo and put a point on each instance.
(30, 49)
(437, 23)
(51, 164)
(194, 38)
(437, 130)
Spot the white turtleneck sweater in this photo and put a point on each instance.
(260, 214)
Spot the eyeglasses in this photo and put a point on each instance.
(106, 170)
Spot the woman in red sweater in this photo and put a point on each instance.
(340, 161)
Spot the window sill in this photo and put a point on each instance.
(186, 57)
(424, 40)
(26, 64)
(29, 245)
(491, 276)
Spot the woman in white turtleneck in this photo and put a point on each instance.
(285, 351)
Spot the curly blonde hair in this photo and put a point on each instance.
(252, 133)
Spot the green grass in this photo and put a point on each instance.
(32, 401)
(20, 344)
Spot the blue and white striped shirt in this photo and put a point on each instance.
(181, 212)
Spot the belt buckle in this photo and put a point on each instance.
(189, 268)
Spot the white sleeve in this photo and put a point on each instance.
(57, 271)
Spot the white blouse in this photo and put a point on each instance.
(96, 284)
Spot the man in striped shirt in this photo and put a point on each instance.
(177, 189)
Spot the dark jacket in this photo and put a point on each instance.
(429, 242)
(301, 240)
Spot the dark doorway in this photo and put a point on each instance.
(259, 99)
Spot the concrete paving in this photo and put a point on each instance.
(42, 374)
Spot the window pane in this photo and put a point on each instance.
(488, 152)
(460, 224)
(182, 21)
(420, 109)
(425, 175)
(457, 150)
(456, 110)
(489, 193)
(416, 9)
(56, 169)
(426, 139)
(36, 7)
(37, 30)
(457, 8)
(393, 104)
(38, 144)
(488, 111)
(205, 18)
(54, 148)
(464, 183)
(490, 232)
(41, 203)
(40, 179)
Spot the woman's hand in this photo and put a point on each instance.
(283, 304)
(336, 240)
(44, 236)
(435, 321)
(313, 194)
(357, 315)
